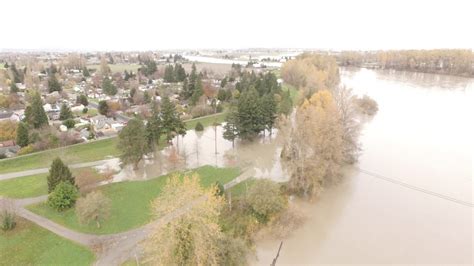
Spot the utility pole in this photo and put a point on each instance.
(278, 254)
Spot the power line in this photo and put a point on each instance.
(401, 183)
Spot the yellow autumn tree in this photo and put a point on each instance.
(313, 153)
(192, 235)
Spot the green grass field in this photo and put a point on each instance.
(24, 187)
(118, 67)
(130, 202)
(88, 152)
(206, 121)
(29, 244)
(36, 185)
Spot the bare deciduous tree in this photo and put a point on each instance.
(94, 207)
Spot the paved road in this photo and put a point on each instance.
(45, 170)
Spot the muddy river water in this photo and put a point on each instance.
(409, 198)
(421, 136)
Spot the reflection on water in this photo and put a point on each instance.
(421, 135)
(196, 149)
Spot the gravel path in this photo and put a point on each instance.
(113, 249)
(45, 170)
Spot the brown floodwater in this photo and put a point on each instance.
(414, 206)
(422, 137)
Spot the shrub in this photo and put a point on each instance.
(219, 188)
(199, 127)
(265, 200)
(366, 105)
(219, 108)
(7, 215)
(63, 196)
(26, 150)
(85, 110)
(69, 123)
(201, 110)
(3, 156)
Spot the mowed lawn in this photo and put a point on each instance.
(24, 187)
(87, 152)
(36, 185)
(29, 244)
(130, 202)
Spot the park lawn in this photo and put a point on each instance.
(35, 185)
(118, 67)
(206, 120)
(24, 187)
(87, 152)
(130, 202)
(29, 244)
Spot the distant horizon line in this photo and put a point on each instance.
(69, 50)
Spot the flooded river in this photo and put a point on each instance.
(408, 201)
(422, 137)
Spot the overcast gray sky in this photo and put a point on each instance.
(150, 25)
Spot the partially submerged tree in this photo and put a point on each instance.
(94, 207)
(154, 129)
(133, 142)
(172, 125)
(314, 149)
(265, 199)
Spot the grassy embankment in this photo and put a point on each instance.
(79, 153)
(130, 202)
(29, 244)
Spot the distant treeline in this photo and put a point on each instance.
(442, 61)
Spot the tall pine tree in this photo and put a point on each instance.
(172, 124)
(22, 138)
(34, 113)
(59, 172)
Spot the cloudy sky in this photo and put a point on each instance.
(150, 25)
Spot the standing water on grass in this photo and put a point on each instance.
(195, 149)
